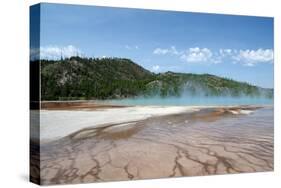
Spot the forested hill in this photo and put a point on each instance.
(111, 78)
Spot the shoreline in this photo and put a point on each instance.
(97, 104)
(76, 105)
(56, 124)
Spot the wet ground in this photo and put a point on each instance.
(211, 141)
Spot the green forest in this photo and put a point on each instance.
(79, 78)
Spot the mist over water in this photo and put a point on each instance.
(192, 93)
(193, 100)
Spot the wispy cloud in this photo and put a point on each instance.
(155, 68)
(34, 54)
(135, 47)
(55, 52)
(226, 52)
(163, 51)
(205, 55)
(160, 51)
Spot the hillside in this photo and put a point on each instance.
(110, 78)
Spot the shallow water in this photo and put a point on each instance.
(207, 142)
(183, 101)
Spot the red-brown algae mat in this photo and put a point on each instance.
(210, 141)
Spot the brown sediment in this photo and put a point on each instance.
(214, 114)
(111, 131)
(186, 144)
(76, 105)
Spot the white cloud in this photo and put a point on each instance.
(253, 57)
(225, 52)
(163, 51)
(160, 51)
(34, 54)
(197, 55)
(55, 52)
(128, 47)
(174, 51)
(190, 55)
(155, 68)
(248, 57)
(205, 55)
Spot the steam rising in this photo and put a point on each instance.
(192, 93)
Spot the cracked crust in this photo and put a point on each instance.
(210, 142)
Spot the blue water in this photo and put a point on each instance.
(186, 101)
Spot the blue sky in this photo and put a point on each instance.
(238, 47)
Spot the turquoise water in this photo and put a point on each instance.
(201, 101)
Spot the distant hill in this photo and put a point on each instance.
(111, 78)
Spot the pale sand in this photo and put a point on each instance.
(55, 124)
